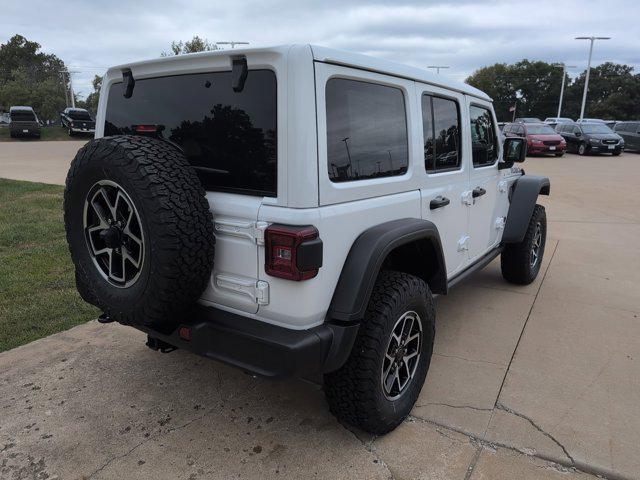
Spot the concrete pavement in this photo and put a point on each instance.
(536, 382)
(38, 161)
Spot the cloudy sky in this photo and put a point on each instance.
(92, 35)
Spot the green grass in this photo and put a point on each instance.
(37, 287)
(47, 134)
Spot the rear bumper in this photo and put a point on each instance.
(259, 347)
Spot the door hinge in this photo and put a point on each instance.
(467, 197)
(502, 186)
(257, 290)
(500, 223)
(463, 243)
(238, 228)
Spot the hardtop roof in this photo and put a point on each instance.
(329, 55)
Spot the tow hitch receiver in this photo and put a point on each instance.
(159, 345)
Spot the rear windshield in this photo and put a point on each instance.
(229, 137)
(23, 116)
(540, 130)
(79, 115)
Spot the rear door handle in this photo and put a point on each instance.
(439, 202)
(478, 192)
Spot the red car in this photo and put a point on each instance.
(541, 138)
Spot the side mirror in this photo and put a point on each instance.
(578, 134)
(515, 150)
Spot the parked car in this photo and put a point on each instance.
(77, 121)
(590, 120)
(527, 120)
(556, 120)
(630, 132)
(24, 122)
(332, 235)
(591, 137)
(541, 138)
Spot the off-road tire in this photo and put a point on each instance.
(516, 258)
(616, 154)
(559, 154)
(354, 392)
(175, 221)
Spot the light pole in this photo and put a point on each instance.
(233, 44)
(564, 74)
(438, 67)
(586, 80)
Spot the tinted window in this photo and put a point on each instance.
(23, 116)
(441, 129)
(229, 137)
(483, 137)
(79, 115)
(366, 130)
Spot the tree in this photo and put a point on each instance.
(196, 44)
(91, 102)
(30, 77)
(534, 87)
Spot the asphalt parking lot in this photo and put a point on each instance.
(535, 382)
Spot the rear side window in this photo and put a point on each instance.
(366, 130)
(229, 137)
(483, 137)
(441, 130)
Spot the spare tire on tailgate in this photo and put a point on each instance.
(139, 229)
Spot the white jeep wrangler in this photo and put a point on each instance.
(293, 211)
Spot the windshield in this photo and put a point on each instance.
(23, 116)
(595, 128)
(540, 130)
(79, 115)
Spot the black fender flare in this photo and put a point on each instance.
(523, 200)
(367, 254)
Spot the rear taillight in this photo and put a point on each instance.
(292, 252)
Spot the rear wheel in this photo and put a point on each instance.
(380, 382)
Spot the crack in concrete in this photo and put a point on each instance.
(502, 407)
(471, 360)
(474, 462)
(370, 447)
(160, 435)
(455, 406)
(146, 440)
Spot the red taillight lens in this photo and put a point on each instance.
(146, 128)
(292, 252)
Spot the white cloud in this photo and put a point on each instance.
(90, 36)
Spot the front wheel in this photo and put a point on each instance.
(520, 262)
(379, 384)
(582, 149)
(616, 154)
